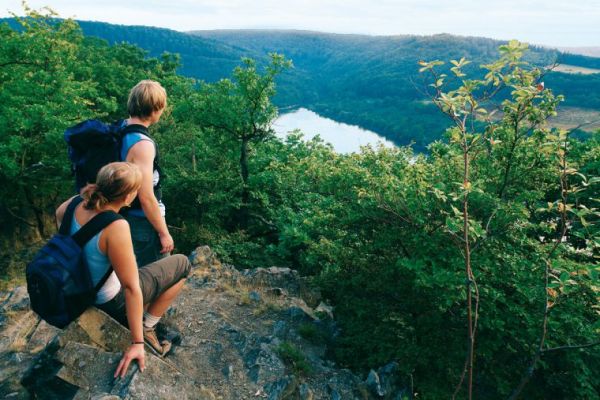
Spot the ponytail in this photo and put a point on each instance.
(94, 199)
(114, 182)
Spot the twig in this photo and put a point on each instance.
(19, 218)
(577, 346)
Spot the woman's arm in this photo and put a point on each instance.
(119, 249)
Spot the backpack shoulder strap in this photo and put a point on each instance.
(104, 279)
(126, 145)
(65, 226)
(137, 128)
(95, 225)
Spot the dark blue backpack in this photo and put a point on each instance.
(58, 279)
(93, 144)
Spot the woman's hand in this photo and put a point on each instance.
(134, 352)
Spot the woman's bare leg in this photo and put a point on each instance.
(158, 307)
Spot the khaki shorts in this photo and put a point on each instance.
(155, 278)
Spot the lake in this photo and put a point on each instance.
(344, 138)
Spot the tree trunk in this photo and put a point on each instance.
(469, 275)
(194, 157)
(39, 217)
(245, 190)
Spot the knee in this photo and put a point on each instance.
(183, 265)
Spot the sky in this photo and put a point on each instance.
(543, 22)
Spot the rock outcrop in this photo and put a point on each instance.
(237, 335)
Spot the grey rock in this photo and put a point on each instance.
(335, 395)
(105, 396)
(374, 384)
(42, 335)
(299, 314)
(254, 296)
(227, 371)
(388, 378)
(15, 300)
(203, 257)
(282, 388)
(277, 292)
(280, 329)
(324, 309)
(305, 392)
(286, 279)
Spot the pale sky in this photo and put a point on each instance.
(545, 22)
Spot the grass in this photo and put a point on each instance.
(12, 272)
(294, 359)
(573, 69)
(311, 333)
(267, 307)
(569, 118)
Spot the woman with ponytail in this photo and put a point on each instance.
(127, 290)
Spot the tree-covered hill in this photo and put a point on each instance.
(371, 81)
(203, 58)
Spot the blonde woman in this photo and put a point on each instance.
(126, 289)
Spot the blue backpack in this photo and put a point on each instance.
(58, 279)
(93, 144)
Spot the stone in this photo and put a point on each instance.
(300, 314)
(282, 388)
(227, 371)
(276, 292)
(280, 329)
(374, 384)
(335, 395)
(254, 296)
(15, 300)
(204, 258)
(388, 378)
(324, 309)
(43, 334)
(305, 392)
(95, 327)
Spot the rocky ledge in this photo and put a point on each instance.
(250, 334)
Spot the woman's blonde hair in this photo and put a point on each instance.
(114, 182)
(145, 98)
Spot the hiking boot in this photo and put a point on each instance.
(168, 332)
(160, 347)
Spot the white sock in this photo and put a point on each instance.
(150, 320)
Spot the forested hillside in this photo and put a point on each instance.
(475, 267)
(370, 81)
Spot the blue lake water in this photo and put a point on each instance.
(344, 138)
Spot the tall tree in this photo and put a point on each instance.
(242, 109)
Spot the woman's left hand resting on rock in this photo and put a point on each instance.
(134, 352)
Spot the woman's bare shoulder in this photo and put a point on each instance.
(60, 211)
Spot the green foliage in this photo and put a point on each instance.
(312, 333)
(294, 359)
(51, 77)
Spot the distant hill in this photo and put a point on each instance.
(202, 57)
(590, 51)
(370, 81)
(373, 81)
